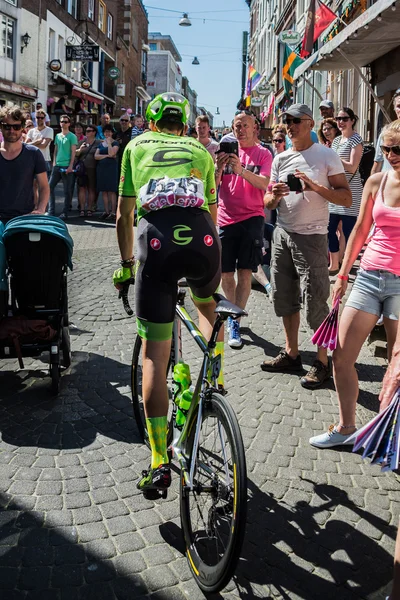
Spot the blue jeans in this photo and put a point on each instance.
(68, 183)
(347, 226)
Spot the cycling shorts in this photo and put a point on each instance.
(173, 243)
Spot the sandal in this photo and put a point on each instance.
(89, 213)
(82, 213)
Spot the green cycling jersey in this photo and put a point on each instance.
(162, 170)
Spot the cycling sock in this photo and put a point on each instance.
(220, 349)
(157, 430)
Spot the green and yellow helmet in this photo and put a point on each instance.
(169, 105)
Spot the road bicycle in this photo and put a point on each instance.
(209, 450)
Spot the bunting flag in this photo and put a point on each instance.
(319, 17)
(291, 61)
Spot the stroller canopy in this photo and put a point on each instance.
(40, 223)
(3, 264)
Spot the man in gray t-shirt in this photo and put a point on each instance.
(304, 179)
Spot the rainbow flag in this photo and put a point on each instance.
(253, 77)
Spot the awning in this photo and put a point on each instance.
(364, 40)
(143, 94)
(80, 92)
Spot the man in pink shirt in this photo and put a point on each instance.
(243, 179)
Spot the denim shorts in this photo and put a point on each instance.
(377, 293)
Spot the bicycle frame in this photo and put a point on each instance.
(184, 443)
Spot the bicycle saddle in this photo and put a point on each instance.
(227, 309)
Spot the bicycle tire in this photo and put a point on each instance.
(137, 399)
(227, 501)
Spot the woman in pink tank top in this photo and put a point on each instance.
(376, 290)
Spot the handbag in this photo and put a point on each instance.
(80, 168)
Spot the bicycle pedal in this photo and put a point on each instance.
(154, 494)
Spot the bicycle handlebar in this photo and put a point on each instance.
(123, 295)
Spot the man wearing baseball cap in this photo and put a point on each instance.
(304, 179)
(327, 109)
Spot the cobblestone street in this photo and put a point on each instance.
(321, 523)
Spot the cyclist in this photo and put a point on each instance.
(170, 179)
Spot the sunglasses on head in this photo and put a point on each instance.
(387, 149)
(295, 120)
(8, 127)
(342, 118)
(278, 141)
(88, 129)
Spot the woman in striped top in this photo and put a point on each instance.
(349, 146)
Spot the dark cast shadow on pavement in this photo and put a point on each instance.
(94, 399)
(305, 550)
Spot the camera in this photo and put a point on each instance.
(229, 148)
(294, 183)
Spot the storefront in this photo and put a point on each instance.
(84, 104)
(14, 93)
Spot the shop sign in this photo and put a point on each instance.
(16, 88)
(290, 37)
(257, 101)
(55, 65)
(84, 53)
(113, 72)
(151, 84)
(264, 88)
(86, 83)
(121, 89)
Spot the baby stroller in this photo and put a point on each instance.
(35, 253)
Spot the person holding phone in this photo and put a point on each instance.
(305, 178)
(242, 172)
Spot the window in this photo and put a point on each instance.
(101, 23)
(72, 8)
(153, 46)
(91, 10)
(13, 2)
(110, 26)
(7, 37)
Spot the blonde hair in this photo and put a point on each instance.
(391, 129)
(279, 127)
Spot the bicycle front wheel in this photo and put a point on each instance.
(137, 395)
(213, 513)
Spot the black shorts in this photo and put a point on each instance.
(172, 243)
(242, 244)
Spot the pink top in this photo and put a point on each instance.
(383, 250)
(237, 198)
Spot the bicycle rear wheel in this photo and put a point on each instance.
(213, 513)
(137, 397)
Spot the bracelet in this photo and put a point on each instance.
(343, 277)
(128, 262)
(242, 171)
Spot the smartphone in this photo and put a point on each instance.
(294, 183)
(229, 148)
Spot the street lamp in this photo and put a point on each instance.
(25, 39)
(185, 21)
(195, 61)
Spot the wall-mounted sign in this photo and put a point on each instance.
(121, 89)
(113, 72)
(264, 88)
(86, 83)
(151, 84)
(290, 37)
(257, 101)
(55, 65)
(85, 53)
(16, 88)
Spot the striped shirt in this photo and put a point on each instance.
(353, 179)
(135, 132)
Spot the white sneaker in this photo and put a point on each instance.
(331, 438)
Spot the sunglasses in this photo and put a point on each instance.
(90, 130)
(124, 120)
(40, 117)
(387, 149)
(295, 120)
(8, 127)
(64, 121)
(342, 118)
(278, 141)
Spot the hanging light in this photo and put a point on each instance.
(217, 111)
(394, 6)
(379, 18)
(195, 61)
(185, 21)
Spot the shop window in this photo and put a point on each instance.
(110, 26)
(7, 37)
(91, 10)
(101, 23)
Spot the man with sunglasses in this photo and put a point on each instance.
(123, 137)
(381, 164)
(41, 136)
(63, 163)
(300, 250)
(39, 107)
(19, 164)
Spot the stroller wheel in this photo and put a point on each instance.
(66, 347)
(55, 377)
